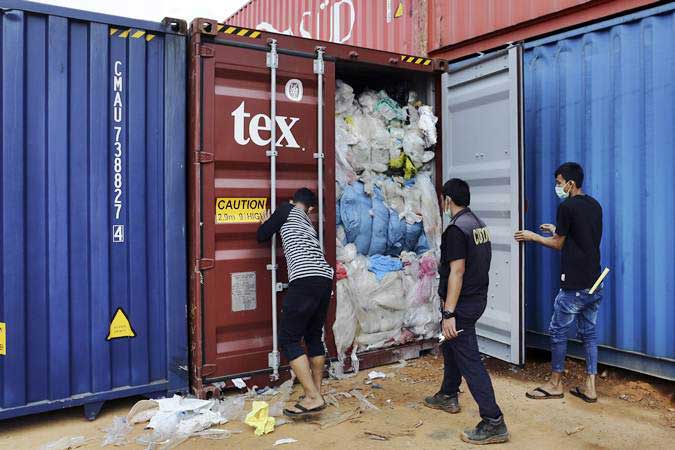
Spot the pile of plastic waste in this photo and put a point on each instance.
(388, 221)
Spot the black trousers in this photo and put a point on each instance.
(462, 359)
(303, 315)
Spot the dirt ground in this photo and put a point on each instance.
(633, 412)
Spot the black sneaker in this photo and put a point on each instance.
(487, 432)
(447, 403)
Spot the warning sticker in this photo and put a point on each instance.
(243, 291)
(3, 339)
(240, 210)
(120, 326)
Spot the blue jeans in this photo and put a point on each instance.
(568, 306)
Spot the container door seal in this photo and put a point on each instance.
(483, 144)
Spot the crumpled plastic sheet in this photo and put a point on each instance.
(344, 327)
(381, 266)
(66, 443)
(413, 146)
(344, 98)
(118, 432)
(430, 211)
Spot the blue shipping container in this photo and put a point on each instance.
(92, 208)
(604, 96)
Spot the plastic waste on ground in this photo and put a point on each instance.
(66, 443)
(260, 419)
(117, 433)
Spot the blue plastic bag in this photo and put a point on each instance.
(381, 265)
(378, 240)
(396, 234)
(355, 208)
(412, 236)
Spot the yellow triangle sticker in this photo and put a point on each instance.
(120, 327)
(399, 10)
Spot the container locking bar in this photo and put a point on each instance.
(273, 358)
(319, 71)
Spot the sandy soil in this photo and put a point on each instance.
(633, 412)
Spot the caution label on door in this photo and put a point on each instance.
(3, 339)
(240, 210)
(120, 327)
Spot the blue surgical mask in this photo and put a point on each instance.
(560, 192)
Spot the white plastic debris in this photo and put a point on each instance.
(66, 443)
(375, 375)
(284, 441)
(239, 383)
(117, 432)
(365, 404)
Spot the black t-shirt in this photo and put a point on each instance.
(453, 247)
(580, 221)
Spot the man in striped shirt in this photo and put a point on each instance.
(305, 305)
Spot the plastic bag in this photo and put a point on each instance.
(344, 327)
(387, 108)
(367, 101)
(344, 98)
(355, 208)
(427, 125)
(232, 407)
(429, 208)
(117, 432)
(413, 146)
(380, 213)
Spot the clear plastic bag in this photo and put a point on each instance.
(344, 327)
(427, 125)
(66, 443)
(117, 433)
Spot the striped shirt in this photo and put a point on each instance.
(304, 256)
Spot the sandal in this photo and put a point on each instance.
(546, 396)
(304, 412)
(577, 393)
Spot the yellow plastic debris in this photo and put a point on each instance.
(404, 162)
(260, 419)
(349, 120)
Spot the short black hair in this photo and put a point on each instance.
(305, 196)
(458, 191)
(571, 171)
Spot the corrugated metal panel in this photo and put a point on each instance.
(362, 23)
(63, 276)
(605, 98)
(459, 28)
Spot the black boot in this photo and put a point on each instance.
(487, 432)
(447, 403)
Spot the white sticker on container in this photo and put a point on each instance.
(243, 291)
(294, 90)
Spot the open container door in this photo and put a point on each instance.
(482, 144)
(245, 154)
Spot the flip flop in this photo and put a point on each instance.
(577, 393)
(546, 396)
(304, 412)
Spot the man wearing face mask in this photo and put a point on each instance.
(466, 253)
(305, 305)
(578, 233)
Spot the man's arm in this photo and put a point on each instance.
(274, 223)
(555, 242)
(455, 280)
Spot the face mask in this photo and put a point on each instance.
(560, 192)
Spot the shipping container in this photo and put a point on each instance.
(93, 207)
(262, 125)
(460, 28)
(398, 26)
(603, 96)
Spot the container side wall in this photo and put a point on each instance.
(605, 99)
(84, 233)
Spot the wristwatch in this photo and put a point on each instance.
(448, 314)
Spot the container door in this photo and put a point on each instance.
(235, 188)
(482, 144)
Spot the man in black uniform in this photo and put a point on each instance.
(578, 234)
(466, 253)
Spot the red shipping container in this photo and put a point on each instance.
(392, 25)
(241, 94)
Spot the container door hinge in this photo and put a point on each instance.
(205, 51)
(206, 264)
(205, 157)
(206, 370)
